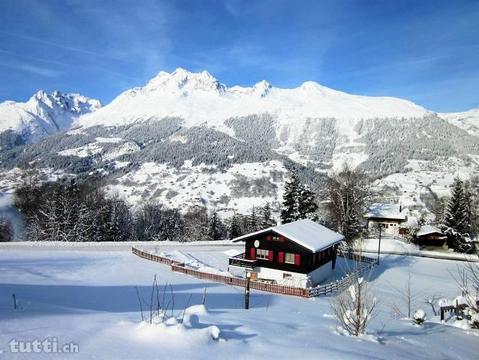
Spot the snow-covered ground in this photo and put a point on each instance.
(198, 185)
(89, 298)
(401, 247)
(421, 177)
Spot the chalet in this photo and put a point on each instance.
(429, 235)
(389, 216)
(301, 253)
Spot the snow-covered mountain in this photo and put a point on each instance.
(44, 114)
(467, 120)
(186, 139)
(200, 99)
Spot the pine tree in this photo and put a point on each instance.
(267, 217)
(234, 228)
(471, 194)
(253, 224)
(307, 207)
(289, 210)
(457, 219)
(456, 216)
(216, 229)
(196, 224)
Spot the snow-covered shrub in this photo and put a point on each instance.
(467, 280)
(419, 317)
(472, 315)
(182, 328)
(355, 307)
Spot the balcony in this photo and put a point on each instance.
(239, 260)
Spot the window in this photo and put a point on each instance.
(262, 254)
(286, 275)
(289, 258)
(275, 238)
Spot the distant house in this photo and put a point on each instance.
(389, 216)
(301, 253)
(429, 235)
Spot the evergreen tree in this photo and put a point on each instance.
(234, 228)
(298, 202)
(456, 216)
(253, 223)
(471, 194)
(216, 228)
(457, 219)
(196, 224)
(289, 210)
(119, 221)
(267, 220)
(307, 207)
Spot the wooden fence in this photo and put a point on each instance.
(321, 290)
(363, 265)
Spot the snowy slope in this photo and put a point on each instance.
(186, 139)
(466, 120)
(201, 99)
(44, 114)
(300, 115)
(72, 295)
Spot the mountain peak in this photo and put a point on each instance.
(69, 102)
(183, 80)
(45, 113)
(262, 88)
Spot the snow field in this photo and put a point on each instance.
(90, 298)
(195, 185)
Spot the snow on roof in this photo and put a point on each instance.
(306, 233)
(385, 211)
(428, 229)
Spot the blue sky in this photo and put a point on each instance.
(424, 51)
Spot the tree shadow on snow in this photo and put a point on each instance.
(62, 299)
(388, 262)
(424, 330)
(228, 331)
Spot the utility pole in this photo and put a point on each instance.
(379, 247)
(246, 290)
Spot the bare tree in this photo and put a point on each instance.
(348, 193)
(432, 302)
(355, 307)
(467, 280)
(406, 297)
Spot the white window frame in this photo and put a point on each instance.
(289, 258)
(262, 254)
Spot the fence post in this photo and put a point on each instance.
(246, 290)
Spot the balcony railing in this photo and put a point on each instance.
(239, 260)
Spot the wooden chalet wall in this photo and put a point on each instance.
(277, 247)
